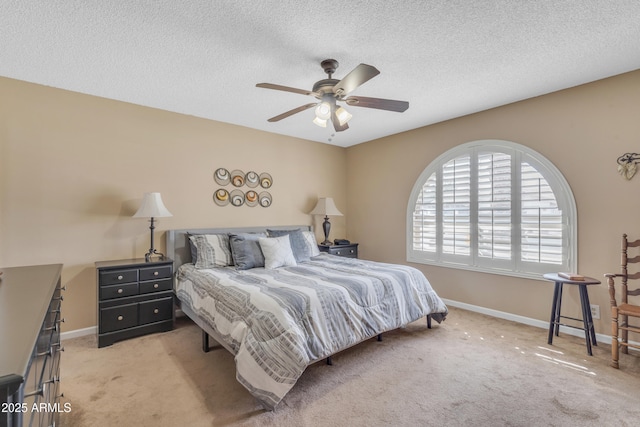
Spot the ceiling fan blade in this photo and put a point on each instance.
(379, 103)
(284, 88)
(336, 122)
(359, 75)
(291, 112)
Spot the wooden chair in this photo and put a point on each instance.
(620, 312)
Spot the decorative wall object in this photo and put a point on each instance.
(627, 164)
(238, 179)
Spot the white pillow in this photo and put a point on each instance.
(312, 243)
(277, 252)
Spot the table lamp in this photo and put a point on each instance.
(326, 207)
(152, 207)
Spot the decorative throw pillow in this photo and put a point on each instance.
(246, 251)
(277, 252)
(213, 250)
(312, 243)
(192, 249)
(298, 243)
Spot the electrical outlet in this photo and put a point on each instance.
(595, 311)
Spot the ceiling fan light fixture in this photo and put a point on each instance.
(323, 111)
(343, 116)
(320, 122)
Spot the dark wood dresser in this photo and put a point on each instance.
(134, 298)
(30, 302)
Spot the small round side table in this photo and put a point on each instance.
(587, 320)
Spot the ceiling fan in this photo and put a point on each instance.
(330, 91)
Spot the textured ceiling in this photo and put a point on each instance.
(448, 58)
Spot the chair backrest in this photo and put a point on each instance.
(626, 260)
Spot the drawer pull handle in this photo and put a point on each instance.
(53, 379)
(156, 311)
(155, 273)
(120, 291)
(120, 277)
(45, 353)
(156, 286)
(55, 327)
(40, 392)
(120, 317)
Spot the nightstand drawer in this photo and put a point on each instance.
(156, 286)
(345, 252)
(118, 291)
(159, 272)
(121, 317)
(156, 310)
(118, 276)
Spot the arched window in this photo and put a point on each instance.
(493, 206)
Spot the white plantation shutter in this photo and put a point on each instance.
(493, 206)
(456, 206)
(424, 218)
(541, 232)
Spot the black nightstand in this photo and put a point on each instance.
(348, 251)
(134, 298)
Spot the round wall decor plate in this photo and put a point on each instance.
(251, 198)
(237, 198)
(265, 180)
(222, 176)
(264, 199)
(237, 178)
(252, 179)
(221, 197)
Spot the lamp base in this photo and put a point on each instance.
(149, 256)
(152, 252)
(326, 227)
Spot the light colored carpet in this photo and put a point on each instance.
(471, 370)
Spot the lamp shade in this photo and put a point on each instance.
(152, 207)
(325, 206)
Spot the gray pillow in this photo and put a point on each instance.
(246, 250)
(299, 245)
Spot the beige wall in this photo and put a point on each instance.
(73, 169)
(582, 131)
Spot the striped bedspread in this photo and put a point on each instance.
(279, 321)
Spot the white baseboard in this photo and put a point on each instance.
(77, 333)
(525, 320)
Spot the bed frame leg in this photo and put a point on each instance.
(428, 321)
(329, 361)
(205, 341)
(379, 337)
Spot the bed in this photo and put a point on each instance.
(269, 297)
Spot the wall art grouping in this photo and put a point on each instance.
(254, 196)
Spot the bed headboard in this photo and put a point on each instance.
(178, 240)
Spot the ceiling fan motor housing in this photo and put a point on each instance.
(324, 86)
